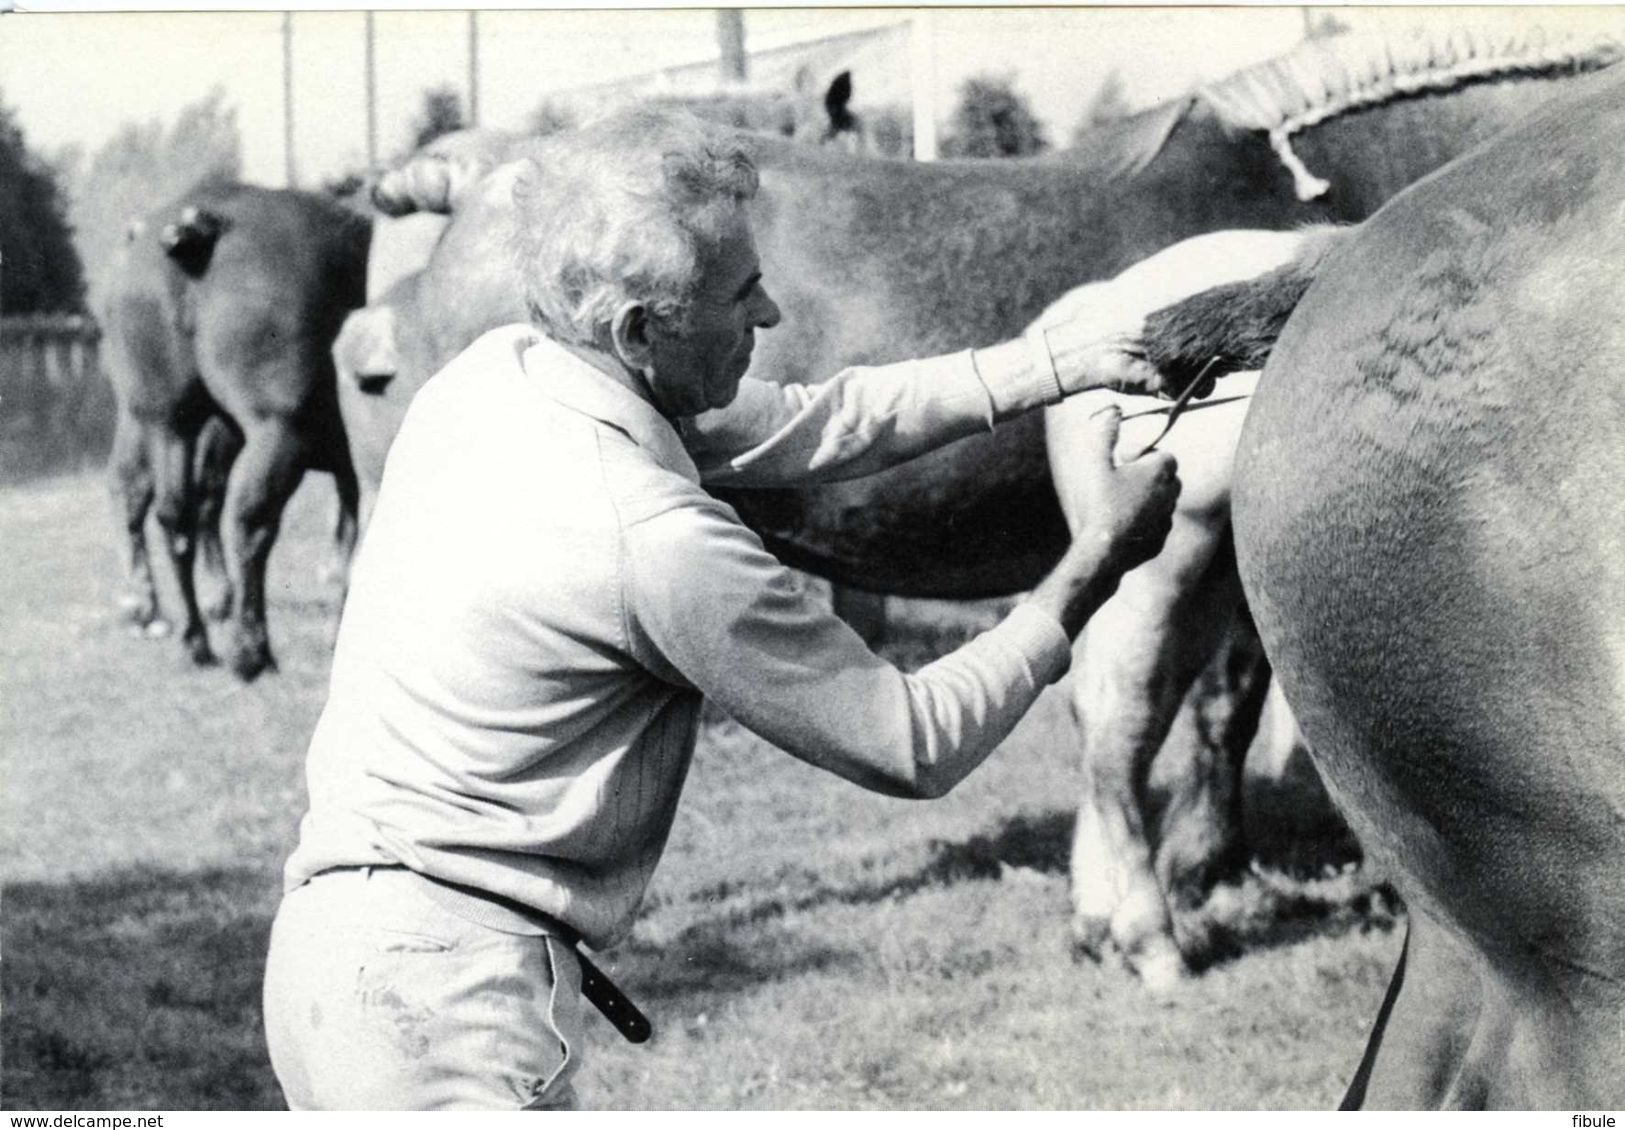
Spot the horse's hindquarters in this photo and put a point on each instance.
(1427, 513)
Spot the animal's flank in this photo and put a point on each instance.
(1326, 78)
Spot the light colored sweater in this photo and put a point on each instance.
(546, 592)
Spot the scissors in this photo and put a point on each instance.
(1181, 404)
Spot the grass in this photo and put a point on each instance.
(804, 944)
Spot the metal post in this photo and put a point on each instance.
(923, 78)
(473, 68)
(372, 96)
(731, 45)
(290, 166)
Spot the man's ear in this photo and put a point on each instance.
(631, 330)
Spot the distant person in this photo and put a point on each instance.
(546, 594)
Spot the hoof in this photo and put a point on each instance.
(197, 646)
(155, 629)
(1160, 967)
(1091, 939)
(249, 664)
(138, 610)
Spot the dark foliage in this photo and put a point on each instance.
(442, 113)
(992, 120)
(42, 272)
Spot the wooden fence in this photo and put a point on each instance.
(50, 373)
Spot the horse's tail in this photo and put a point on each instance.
(439, 176)
(1237, 323)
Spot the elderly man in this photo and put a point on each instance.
(547, 592)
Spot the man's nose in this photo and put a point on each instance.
(767, 312)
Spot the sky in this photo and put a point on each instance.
(74, 78)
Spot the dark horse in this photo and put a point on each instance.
(1430, 524)
(875, 261)
(221, 317)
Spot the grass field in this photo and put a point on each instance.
(804, 945)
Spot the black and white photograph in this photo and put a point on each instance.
(832, 558)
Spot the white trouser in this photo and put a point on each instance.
(378, 998)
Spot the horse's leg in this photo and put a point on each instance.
(1418, 1045)
(218, 445)
(1201, 835)
(132, 486)
(262, 480)
(1137, 658)
(171, 454)
(346, 531)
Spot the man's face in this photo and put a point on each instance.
(698, 369)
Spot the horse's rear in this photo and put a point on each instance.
(1430, 523)
(281, 274)
(221, 317)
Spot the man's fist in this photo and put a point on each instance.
(1129, 509)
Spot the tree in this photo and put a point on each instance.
(891, 131)
(992, 120)
(1108, 105)
(140, 168)
(442, 113)
(42, 272)
(1318, 24)
(550, 116)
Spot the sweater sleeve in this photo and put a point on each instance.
(862, 420)
(707, 606)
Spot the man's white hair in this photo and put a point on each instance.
(624, 209)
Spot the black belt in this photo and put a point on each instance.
(608, 999)
(604, 994)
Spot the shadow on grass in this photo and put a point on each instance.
(139, 990)
(1304, 880)
(25, 457)
(1266, 910)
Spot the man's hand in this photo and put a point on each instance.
(1127, 514)
(1127, 510)
(1095, 333)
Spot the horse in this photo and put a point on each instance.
(802, 113)
(1427, 505)
(875, 261)
(221, 315)
(415, 199)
